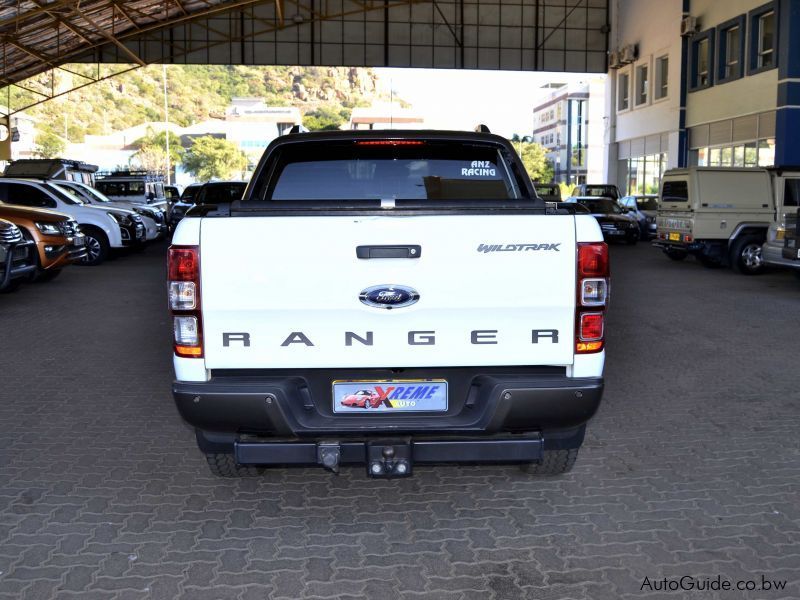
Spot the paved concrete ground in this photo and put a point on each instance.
(690, 468)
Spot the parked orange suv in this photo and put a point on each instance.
(58, 239)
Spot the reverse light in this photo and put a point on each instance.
(183, 286)
(187, 333)
(182, 295)
(592, 298)
(594, 292)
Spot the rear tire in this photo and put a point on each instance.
(225, 465)
(676, 255)
(554, 462)
(746, 256)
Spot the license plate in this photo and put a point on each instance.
(675, 237)
(78, 241)
(428, 395)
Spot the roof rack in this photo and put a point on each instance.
(129, 173)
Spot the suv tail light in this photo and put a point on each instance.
(593, 294)
(183, 286)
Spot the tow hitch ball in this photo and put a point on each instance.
(388, 460)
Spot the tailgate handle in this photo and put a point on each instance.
(396, 251)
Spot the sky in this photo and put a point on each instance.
(460, 99)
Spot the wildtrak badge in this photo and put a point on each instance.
(485, 248)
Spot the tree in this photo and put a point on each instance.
(152, 159)
(214, 158)
(158, 140)
(49, 145)
(326, 118)
(534, 157)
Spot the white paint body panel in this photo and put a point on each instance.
(271, 276)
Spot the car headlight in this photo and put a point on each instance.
(48, 228)
(120, 218)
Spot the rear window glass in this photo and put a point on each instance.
(121, 188)
(647, 203)
(190, 192)
(791, 192)
(601, 190)
(219, 193)
(675, 191)
(373, 171)
(601, 206)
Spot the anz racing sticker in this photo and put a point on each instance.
(390, 396)
(479, 168)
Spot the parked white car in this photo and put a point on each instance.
(105, 228)
(133, 186)
(154, 219)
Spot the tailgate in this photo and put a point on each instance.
(292, 284)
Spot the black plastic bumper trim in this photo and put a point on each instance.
(492, 450)
(299, 404)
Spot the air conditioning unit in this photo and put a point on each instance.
(688, 26)
(613, 60)
(629, 54)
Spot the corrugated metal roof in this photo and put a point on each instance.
(37, 35)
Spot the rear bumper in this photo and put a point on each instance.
(299, 404)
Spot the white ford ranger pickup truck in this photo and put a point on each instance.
(388, 298)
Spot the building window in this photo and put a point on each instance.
(642, 84)
(701, 60)
(577, 133)
(766, 40)
(731, 49)
(623, 91)
(662, 77)
(644, 173)
(702, 63)
(763, 39)
(759, 153)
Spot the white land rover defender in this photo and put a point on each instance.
(388, 298)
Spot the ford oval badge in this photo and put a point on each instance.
(389, 296)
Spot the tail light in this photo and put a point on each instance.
(183, 286)
(593, 293)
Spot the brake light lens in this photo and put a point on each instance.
(593, 295)
(389, 143)
(591, 329)
(183, 285)
(184, 263)
(593, 260)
